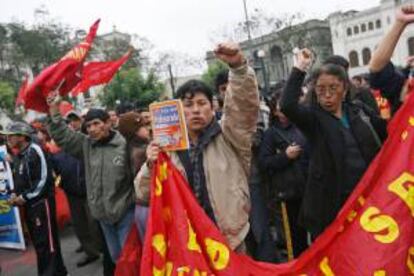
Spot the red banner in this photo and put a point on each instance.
(62, 75)
(372, 235)
(95, 73)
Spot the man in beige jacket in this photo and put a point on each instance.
(217, 164)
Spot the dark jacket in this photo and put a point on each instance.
(32, 174)
(72, 173)
(390, 82)
(323, 198)
(275, 164)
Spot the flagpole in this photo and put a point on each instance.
(288, 234)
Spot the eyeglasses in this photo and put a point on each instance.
(333, 90)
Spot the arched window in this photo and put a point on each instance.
(370, 26)
(378, 24)
(366, 56)
(363, 28)
(353, 59)
(410, 46)
(277, 62)
(356, 30)
(349, 31)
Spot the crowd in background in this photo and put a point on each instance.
(271, 171)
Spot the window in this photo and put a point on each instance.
(349, 31)
(411, 46)
(356, 30)
(370, 26)
(353, 59)
(363, 28)
(378, 24)
(366, 56)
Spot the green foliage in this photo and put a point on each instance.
(212, 71)
(131, 86)
(7, 96)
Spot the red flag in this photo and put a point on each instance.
(95, 73)
(372, 235)
(65, 107)
(21, 95)
(129, 261)
(62, 75)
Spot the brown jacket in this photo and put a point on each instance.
(226, 159)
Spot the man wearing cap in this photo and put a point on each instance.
(34, 190)
(108, 172)
(72, 173)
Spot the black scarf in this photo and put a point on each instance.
(192, 161)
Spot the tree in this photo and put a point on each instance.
(212, 71)
(7, 96)
(260, 23)
(130, 85)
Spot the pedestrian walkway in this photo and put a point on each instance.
(17, 263)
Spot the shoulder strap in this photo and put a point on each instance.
(284, 137)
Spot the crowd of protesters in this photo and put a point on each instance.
(271, 172)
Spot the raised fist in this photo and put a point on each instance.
(405, 14)
(230, 53)
(303, 59)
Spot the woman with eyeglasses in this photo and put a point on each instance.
(343, 138)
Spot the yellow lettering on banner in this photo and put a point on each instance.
(159, 244)
(325, 268)
(403, 187)
(380, 273)
(410, 259)
(373, 221)
(158, 187)
(166, 271)
(199, 273)
(183, 269)
(218, 253)
(192, 243)
(4, 207)
(163, 172)
(411, 121)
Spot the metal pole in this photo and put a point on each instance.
(249, 35)
(171, 80)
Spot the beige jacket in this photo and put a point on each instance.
(226, 159)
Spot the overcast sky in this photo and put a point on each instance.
(180, 25)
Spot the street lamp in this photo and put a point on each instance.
(261, 54)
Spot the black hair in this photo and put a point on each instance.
(337, 60)
(332, 70)
(273, 102)
(124, 107)
(96, 113)
(191, 87)
(221, 78)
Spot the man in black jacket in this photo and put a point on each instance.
(35, 192)
(343, 138)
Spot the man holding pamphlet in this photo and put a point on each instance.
(217, 158)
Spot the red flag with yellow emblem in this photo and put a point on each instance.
(98, 72)
(372, 235)
(62, 75)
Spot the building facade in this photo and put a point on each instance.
(272, 55)
(355, 35)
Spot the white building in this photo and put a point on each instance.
(355, 35)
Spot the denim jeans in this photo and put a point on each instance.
(141, 217)
(116, 234)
